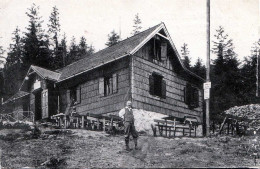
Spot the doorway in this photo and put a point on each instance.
(38, 107)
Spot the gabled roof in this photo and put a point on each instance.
(18, 95)
(122, 49)
(117, 51)
(45, 73)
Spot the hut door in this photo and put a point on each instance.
(45, 112)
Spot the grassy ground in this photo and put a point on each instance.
(82, 148)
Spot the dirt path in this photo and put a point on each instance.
(82, 148)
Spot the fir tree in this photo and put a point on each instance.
(54, 28)
(113, 38)
(199, 68)
(36, 42)
(73, 51)
(226, 82)
(248, 73)
(137, 24)
(2, 51)
(63, 50)
(83, 47)
(185, 55)
(15, 50)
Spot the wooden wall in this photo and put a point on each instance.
(174, 102)
(90, 99)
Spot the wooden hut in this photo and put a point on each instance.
(145, 68)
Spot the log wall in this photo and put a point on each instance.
(90, 99)
(174, 103)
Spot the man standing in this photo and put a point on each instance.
(128, 116)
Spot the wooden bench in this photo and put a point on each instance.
(169, 126)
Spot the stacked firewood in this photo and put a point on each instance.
(251, 113)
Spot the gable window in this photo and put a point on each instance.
(158, 50)
(157, 85)
(191, 96)
(108, 85)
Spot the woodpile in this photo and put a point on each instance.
(250, 113)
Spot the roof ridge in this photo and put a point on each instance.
(112, 45)
(46, 69)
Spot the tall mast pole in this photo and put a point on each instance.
(257, 65)
(208, 65)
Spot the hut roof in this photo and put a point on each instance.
(18, 95)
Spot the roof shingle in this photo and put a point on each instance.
(18, 95)
(48, 74)
(108, 54)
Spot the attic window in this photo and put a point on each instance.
(158, 50)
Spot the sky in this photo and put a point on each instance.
(185, 20)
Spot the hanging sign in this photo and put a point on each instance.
(206, 94)
(207, 85)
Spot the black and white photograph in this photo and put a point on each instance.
(129, 84)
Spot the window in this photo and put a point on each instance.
(108, 85)
(191, 96)
(74, 94)
(108, 82)
(158, 50)
(157, 85)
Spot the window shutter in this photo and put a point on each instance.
(78, 94)
(196, 98)
(151, 83)
(101, 86)
(188, 95)
(163, 51)
(184, 95)
(163, 89)
(68, 96)
(115, 83)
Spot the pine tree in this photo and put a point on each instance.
(226, 81)
(91, 50)
(185, 55)
(137, 24)
(15, 50)
(199, 68)
(248, 73)
(36, 44)
(54, 28)
(113, 38)
(73, 54)
(2, 51)
(64, 52)
(83, 47)
(53, 31)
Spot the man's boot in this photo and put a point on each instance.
(127, 145)
(135, 141)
